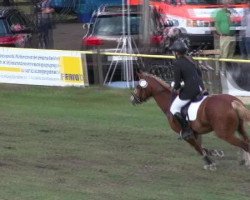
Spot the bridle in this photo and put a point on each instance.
(138, 99)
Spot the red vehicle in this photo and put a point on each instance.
(195, 18)
(16, 30)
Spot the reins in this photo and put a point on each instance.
(162, 84)
(163, 88)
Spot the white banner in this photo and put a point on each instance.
(42, 67)
(236, 79)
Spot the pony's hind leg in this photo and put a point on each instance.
(245, 156)
(242, 131)
(237, 142)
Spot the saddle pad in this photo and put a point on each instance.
(193, 109)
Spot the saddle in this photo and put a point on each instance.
(198, 99)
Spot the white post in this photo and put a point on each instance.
(145, 22)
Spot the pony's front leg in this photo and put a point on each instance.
(214, 152)
(209, 163)
(195, 142)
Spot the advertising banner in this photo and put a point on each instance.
(42, 67)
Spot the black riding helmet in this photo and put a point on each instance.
(179, 46)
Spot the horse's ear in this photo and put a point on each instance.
(139, 73)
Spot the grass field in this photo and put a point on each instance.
(92, 144)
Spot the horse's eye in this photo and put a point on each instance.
(135, 91)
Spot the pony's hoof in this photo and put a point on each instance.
(211, 167)
(220, 153)
(206, 167)
(217, 153)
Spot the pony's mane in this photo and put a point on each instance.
(158, 79)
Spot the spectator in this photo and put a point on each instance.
(227, 39)
(245, 33)
(45, 23)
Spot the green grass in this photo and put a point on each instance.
(91, 143)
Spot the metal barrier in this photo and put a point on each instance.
(161, 65)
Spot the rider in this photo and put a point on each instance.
(185, 70)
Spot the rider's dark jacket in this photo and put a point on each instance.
(187, 71)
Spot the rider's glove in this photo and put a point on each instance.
(172, 84)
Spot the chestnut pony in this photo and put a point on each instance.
(222, 113)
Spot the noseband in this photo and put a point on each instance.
(138, 99)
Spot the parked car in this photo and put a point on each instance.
(110, 23)
(16, 30)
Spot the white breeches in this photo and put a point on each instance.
(177, 105)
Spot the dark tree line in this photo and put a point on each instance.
(7, 2)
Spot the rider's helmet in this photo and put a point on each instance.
(179, 46)
(174, 33)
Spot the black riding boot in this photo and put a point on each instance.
(186, 132)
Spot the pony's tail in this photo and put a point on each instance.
(242, 111)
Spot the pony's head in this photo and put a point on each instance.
(148, 86)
